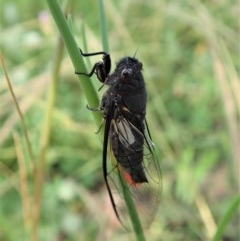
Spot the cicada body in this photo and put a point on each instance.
(129, 160)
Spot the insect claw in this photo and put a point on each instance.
(93, 109)
(101, 86)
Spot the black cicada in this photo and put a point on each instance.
(128, 151)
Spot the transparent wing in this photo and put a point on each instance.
(131, 159)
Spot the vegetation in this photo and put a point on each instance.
(51, 188)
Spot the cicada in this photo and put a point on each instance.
(129, 160)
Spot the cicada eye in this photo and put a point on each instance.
(140, 65)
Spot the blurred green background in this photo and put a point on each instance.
(190, 55)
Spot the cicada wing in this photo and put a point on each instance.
(131, 159)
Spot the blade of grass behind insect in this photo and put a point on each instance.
(45, 137)
(137, 227)
(87, 86)
(84, 42)
(103, 26)
(76, 58)
(23, 181)
(24, 127)
(226, 218)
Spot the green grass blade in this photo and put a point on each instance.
(77, 60)
(103, 26)
(87, 85)
(225, 219)
(137, 227)
(136, 224)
